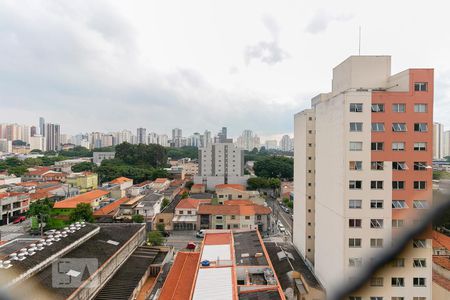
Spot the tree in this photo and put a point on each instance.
(155, 238)
(183, 152)
(40, 210)
(77, 151)
(164, 203)
(255, 183)
(160, 227)
(36, 151)
(275, 167)
(184, 195)
(137, 218)
(83, 166)
(189, 185)
(83, 211)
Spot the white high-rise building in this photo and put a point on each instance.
(163, 140)
(446, 143)
(206, 139)
(107, 140)
(271, 144)
(438, 141)
(152, 138)
(248, 140)
(5, 146)
(221, 163)
(52, 137)
(194, 140)
(37, 142)
(361, 175)
(286, 143)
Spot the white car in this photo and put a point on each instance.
(281, 228)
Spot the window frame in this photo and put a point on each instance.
(396, 106)
(355, 107)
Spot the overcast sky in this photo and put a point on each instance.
(109, 65)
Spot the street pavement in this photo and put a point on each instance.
(180, 239)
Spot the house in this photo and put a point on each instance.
(160, 184)
(109, 211)
(12, 205)
(93, 198)
(123, 182)
(42, 174)
(118, 187)
(251, 216)
(198, 188)
(126, 209)
(98, 157)
(149, 206)
(85, 181)
(185, 217)
(140, 188)
(237, 192)
(67, 164)
(9, 179)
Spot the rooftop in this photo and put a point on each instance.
(120, 180)
(441, 240)
(88, 197)
(161, 180)
(230, 186)
(248, 249)
(243, 210)
(110, 208)
(190, 203)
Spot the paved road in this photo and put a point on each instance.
(279, 214)
(180, 239)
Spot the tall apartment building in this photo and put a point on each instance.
(362, 157)
(438, 140)
(163, 140)
(42, 126)
(286, 143)
(220, 163)
(206, 139)
(446, 143)
(52, 137)
(37, 142)
(248, 140)
(141, 134)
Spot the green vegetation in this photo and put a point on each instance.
(255, 183)
(77, 151)
(189, 185)
(164, 203)
(113, 168)
(275, 167)
(288, 203)
(178, 153)
(184, 195)
(84, 166)
(137, 218)
(256, 155)
(155, 238)
(39, 211)
(83, 212)
(441, 175)
(142, 155)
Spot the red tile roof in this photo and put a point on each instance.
(244, 210)
(441, 280)
(88, 197)
(38, 171)
(440, 240)
(190, 203)
(238, 202)
(180, 280)
(217, 239)
(120, 180)
(231, 186)
(161, 180)
(443, 261)
(198, 185)
(110, 208)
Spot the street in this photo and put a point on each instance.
(280, 214)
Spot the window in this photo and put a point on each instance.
(354, 243)
(420, 185)
(399, 107)
(376, 298)
(377, 146)
(398, 262)
(420, 86)
(420, 127)
(376, 184)
(376, 281)
(355, 184)
(355, 146)
(219, 217)
(399, 165)
(354, 223)
(233, 217)
(376, 223)
(398, 185)
(421, 146)
(247, 217)
(356, 126)
(181, 212)
(399, 127)
(397, 298)
(419, 298)
(399, 204)
(420, 204)
(378, 107)
(354, 298)
(355, 165)
(397, 281)
(376, 243)
(398, 146)
(377, 165)
(355, 261)
(354, 204)
(356, 107)
(419, 243)
(420, 108)
(376, 204)
(377, 126)
(397, 223)
(420, 165)
(419, 263)
(419, 281)
(189, 212)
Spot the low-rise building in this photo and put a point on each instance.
(118, 187)
(43, 174)
(98, 157)
(108, 212)
(13, 205)
(149, 206)
(160, 184)
(67, 164)
(9, 179)
(85, 181)
(237, 192)
(93, 198)
(234, 217)
(185, 217)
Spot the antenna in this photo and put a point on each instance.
(359, 44)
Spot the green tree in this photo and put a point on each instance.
(164, 203)
(137, 218)
(255, 183)
(77, 151)
(275, 167)
(189, 185)
(183, 152)
(83, 211)
(40, 210)
(155, 238)
(33, 162)
(184, 195)
(160, 227)
(18, 171)
(83, 166)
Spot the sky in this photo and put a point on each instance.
(112, 65)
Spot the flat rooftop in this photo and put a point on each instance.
(246, 245)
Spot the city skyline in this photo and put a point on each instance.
(143, 70)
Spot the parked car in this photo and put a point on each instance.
(19, 219)
(281, 228)
(191, 246)
(200, 233)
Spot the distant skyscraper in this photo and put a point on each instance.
(438, 141)
(286, 143)
(271, 144)
(152, 138)
(33, 131)
(446, 143)
(37, 141)
(42, 126)
(206, 139)
(177, 136)
(141, 134)
(248, 140)
(163, 140)
(52, 137)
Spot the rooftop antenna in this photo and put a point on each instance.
(359, 43)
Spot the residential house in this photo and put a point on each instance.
(160, 184)
(42, 174)
(109, 211)
(237, 192)
(441, 266)
(12, 205)
(93, 198)
(185, 217)
(149, 205)
(85, 181)
(198, 188)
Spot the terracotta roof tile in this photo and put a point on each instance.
(232, 186)
(161, 180)
(120, 180)
(217, 239)
(238, 202)
(38, 171)
(110, 208)
(440, 240)
(190, 203)
(88, 197)
(441, 280)
(246, 210)
(443, 261)
(180, 280)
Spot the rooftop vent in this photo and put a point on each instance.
(112, 242)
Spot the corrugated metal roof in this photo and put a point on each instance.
(214, 283)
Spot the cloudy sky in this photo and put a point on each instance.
(109, 65)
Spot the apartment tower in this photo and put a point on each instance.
(362, 172)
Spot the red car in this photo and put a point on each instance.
(19, 219)
(191, 246)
